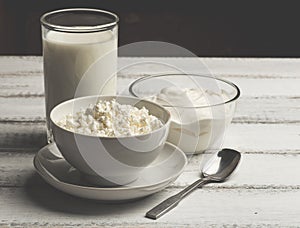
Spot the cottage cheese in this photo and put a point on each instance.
(111, 119)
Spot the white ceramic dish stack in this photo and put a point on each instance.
(109, 168)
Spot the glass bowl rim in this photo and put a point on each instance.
(238, 92)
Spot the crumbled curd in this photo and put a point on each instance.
(111, 119)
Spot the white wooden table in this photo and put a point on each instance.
(266, 129)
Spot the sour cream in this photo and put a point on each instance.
(199, 117)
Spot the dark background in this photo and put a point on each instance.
(207, 28)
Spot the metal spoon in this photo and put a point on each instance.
(217, 169)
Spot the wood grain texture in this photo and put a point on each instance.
(271, 109)
(241, 67)
(16, 168)
(248, 138)
(263, 193)
(268, 68)
(44, 206)
(265, 100)
(23, 75)
(253, 196)
(22, 136)
(32, 86)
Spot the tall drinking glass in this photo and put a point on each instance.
(79, 47)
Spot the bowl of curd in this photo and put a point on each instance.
(201, 107)
(109, 139)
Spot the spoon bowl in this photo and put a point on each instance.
(221, 165)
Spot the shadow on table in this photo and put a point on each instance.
(44, 195)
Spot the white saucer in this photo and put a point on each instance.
(55, 170)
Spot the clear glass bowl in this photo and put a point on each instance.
(201, 107)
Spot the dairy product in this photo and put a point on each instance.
(78, 63)
(196, 125)
(111, 119)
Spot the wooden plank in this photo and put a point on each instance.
(26, 92)
(248, 138)
(263, 138)
(270, 109)
(22, 136)
(241, 67)
(229, 67)
(16, 168)
(44, 206)
(268, 87)
(25, 109)
(258, 196)
(20, 65)
(32, 85)
(256, 171)
(249, 110)
(22, 76)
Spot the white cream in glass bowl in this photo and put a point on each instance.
(201, 107)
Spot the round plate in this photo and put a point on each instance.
(55, 170)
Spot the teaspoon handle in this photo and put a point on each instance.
(173, 201)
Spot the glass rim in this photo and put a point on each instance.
(79, 29)
(238, 92)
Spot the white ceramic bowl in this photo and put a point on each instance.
(109, 161)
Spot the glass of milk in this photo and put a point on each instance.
(80, 55)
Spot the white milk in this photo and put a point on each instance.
(78, 64)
